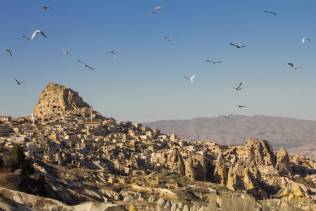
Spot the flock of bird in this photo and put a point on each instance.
(156, 10)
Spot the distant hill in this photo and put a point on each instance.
(296, 135)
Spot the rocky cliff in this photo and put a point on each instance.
(56, 99)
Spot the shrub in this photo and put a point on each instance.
(16, 158)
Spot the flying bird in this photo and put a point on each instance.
(66, 51)
(111, 53)
(237, 45)
(168, 39)
(8, 50)
(191, 79)
(241, 106)
(18, 82)
(84, 64)
(37, 33)
(228, 116)
(306, 39)
(239, 87)
(46, 7)
(270, 12)
(26, 38)
(293, 66)
(213, 62)
(156, 10)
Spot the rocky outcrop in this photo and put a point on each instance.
(262, 151)
(221, 170)
(177, 162)
(190, 171)
(56, 99)
(283, 163)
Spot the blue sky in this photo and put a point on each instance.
(145, 82)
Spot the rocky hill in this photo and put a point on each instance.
(298, 136)
(56, 100)
(72, 162)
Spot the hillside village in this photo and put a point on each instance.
(81, 157)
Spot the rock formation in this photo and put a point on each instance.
(283, 163)
(56, 99)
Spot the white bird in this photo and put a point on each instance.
(66, 51)
(213, 62)
(191, 79)
(306, 39)
(111, 53)
(228, 116)
(237, 45)
(84, 64)
(37, 33)
(156, 10)
(8, 50)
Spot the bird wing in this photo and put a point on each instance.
(78, 60)
(43, 34)
(9, 51)
(25, 37)
(192, 77)
(35, 33)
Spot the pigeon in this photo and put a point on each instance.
(306, 39)
(18, 82)
(37, 33)
(270, 12)
(213, 62)
(111, 53)
(191, 79)
(241, 106)
(84, 64)
(46, 7)
(293, 66)
(239, 87)
(237, 45)
(8, 50)
(156, 10)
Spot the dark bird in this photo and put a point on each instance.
(46, 7)
(241, 106)
(239, 87)
(84, 64)
(168, 39)
(213, 62)
(237, 45)
(111, 53)
(270, 12)
(18, 82)
(293, 66)
(8, 50)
